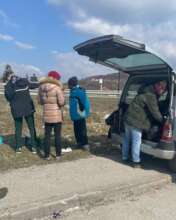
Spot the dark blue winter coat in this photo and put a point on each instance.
(17, 93)
(79, 103)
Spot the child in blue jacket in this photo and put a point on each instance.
(79, 111)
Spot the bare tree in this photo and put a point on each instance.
(7, 72)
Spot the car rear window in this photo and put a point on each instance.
(135, 60)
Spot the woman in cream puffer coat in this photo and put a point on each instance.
(51, 96)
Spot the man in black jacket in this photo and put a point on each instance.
(17, 94)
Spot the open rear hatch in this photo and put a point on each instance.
(127, 56)
(121, 54)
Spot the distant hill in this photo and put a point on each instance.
(110, 81)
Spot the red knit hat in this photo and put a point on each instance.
(54, 74)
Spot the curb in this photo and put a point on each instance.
(54, 208)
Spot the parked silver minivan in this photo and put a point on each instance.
(144, 68)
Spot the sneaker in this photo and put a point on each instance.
(125, 161)
(58, 157)
(47, 158)
(18, 150)
(136, 165)
(34, 151)
(3, 192)
(86, 147)
(78, 146)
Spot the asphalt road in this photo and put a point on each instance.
(158, 204)
(83, 184)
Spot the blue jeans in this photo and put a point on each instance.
(132, 137)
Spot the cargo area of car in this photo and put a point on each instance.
(134, 86)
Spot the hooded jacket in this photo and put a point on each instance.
(142, 109)
(79, 103)
(17, 93)
(51, 96)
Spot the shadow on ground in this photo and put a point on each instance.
(10, 160)
(104, 148)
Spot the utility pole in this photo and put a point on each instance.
(101, 84)
(118, 87)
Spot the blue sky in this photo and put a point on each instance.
(38, 35)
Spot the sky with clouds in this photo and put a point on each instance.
(38, 35)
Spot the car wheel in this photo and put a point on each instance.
(172, 164)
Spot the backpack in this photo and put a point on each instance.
(81, 106)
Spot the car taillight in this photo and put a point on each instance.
(167, 132)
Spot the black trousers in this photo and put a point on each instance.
(18, 130)
(57, 135)
(80, 131)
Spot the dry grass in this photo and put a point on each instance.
(97, 132)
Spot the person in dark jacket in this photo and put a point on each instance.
(21, 103)
(137, 119)
(79, 111)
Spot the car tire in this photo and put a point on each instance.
(172, 164)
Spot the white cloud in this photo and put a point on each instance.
(6, 37)
(54, 52)
(163, 42)
(6, 20)
(55, 2)
(3, 15)
(21, 69)
(121, 10)
(24, 45)
(21, 45)
(71, 64)
(99, 27)
(150, 22)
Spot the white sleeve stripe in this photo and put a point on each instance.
(19, 90)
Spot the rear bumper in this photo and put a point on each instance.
(157, 152)
(149, 147)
